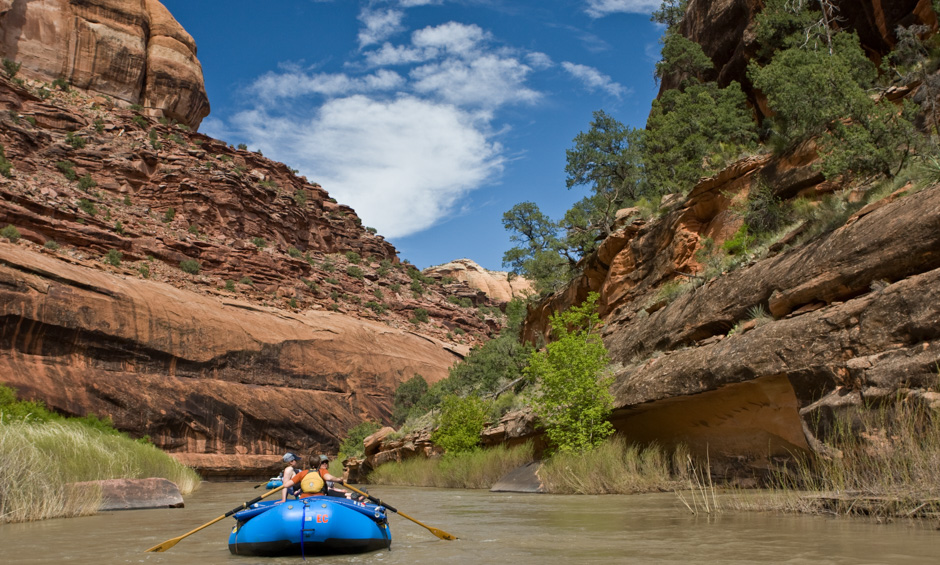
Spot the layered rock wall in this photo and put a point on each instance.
(133, 51)
(497, 285)
(196, 374)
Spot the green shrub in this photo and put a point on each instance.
(99, 125)
(119, 227)
(740, 242)
(461, 422)
(67, 168)
(230, 285)
(169, 215)
(86, 183)
(136, 107)
(242, 147)
(573, 399)
(259, 242)
(6, 167)
(140, 121)
(10, 233)
(395, 287)
(353, 446)
(353, 257)
(76, 141)
(87, 206)
(420, 315)
(61, 83)
(51, 245)
(247, 280)
(144, 271)
(10, 67)
(355, 272)
(376, 307)
(407, 399)
(155, 140)
(190, 266)
(294, 252)
(113, 257)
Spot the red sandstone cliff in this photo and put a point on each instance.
(131, 50)
(298, 325)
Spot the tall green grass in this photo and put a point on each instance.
(616, 467)
(38, 461)
(475, 469)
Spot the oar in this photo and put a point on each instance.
(439, 533)
(171, 542)
(263, 483)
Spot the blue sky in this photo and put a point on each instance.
(429, 117)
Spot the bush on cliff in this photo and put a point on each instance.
(572, 396)
(461, 421)
(353, 445)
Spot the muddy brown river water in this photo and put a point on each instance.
(497, 528)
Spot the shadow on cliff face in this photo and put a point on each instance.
(739, 427)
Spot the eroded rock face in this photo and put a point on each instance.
(197, 374)
(131, 50)
(497, 285)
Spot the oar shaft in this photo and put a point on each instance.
(437, 532)
(171, 542)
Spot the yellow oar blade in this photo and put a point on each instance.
(171, 542)
(439, 533)
(165, 545)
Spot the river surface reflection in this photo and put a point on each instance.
(517, 529)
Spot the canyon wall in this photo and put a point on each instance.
(133, 51)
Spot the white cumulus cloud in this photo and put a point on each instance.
(601, 8)
(402, 164)
(488, 81)
(295, 84)
(378, 25)
(594, 79)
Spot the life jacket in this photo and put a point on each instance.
(312, 483)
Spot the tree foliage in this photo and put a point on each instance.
(539, 252)
(462, 420)
(824, 89)
(353, 445)
(573, 399)
(682, 59)
(408, 398)
(670, 13)
(690, 131)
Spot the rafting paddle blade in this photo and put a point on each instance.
(439, 533)
(160, 547)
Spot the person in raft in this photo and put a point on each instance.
(315, 482)
(289, 471)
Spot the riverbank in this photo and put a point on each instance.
(877, 461)
(612, 468)
(39, 461)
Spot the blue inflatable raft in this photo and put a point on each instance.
(316, 525)
(274, 483)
